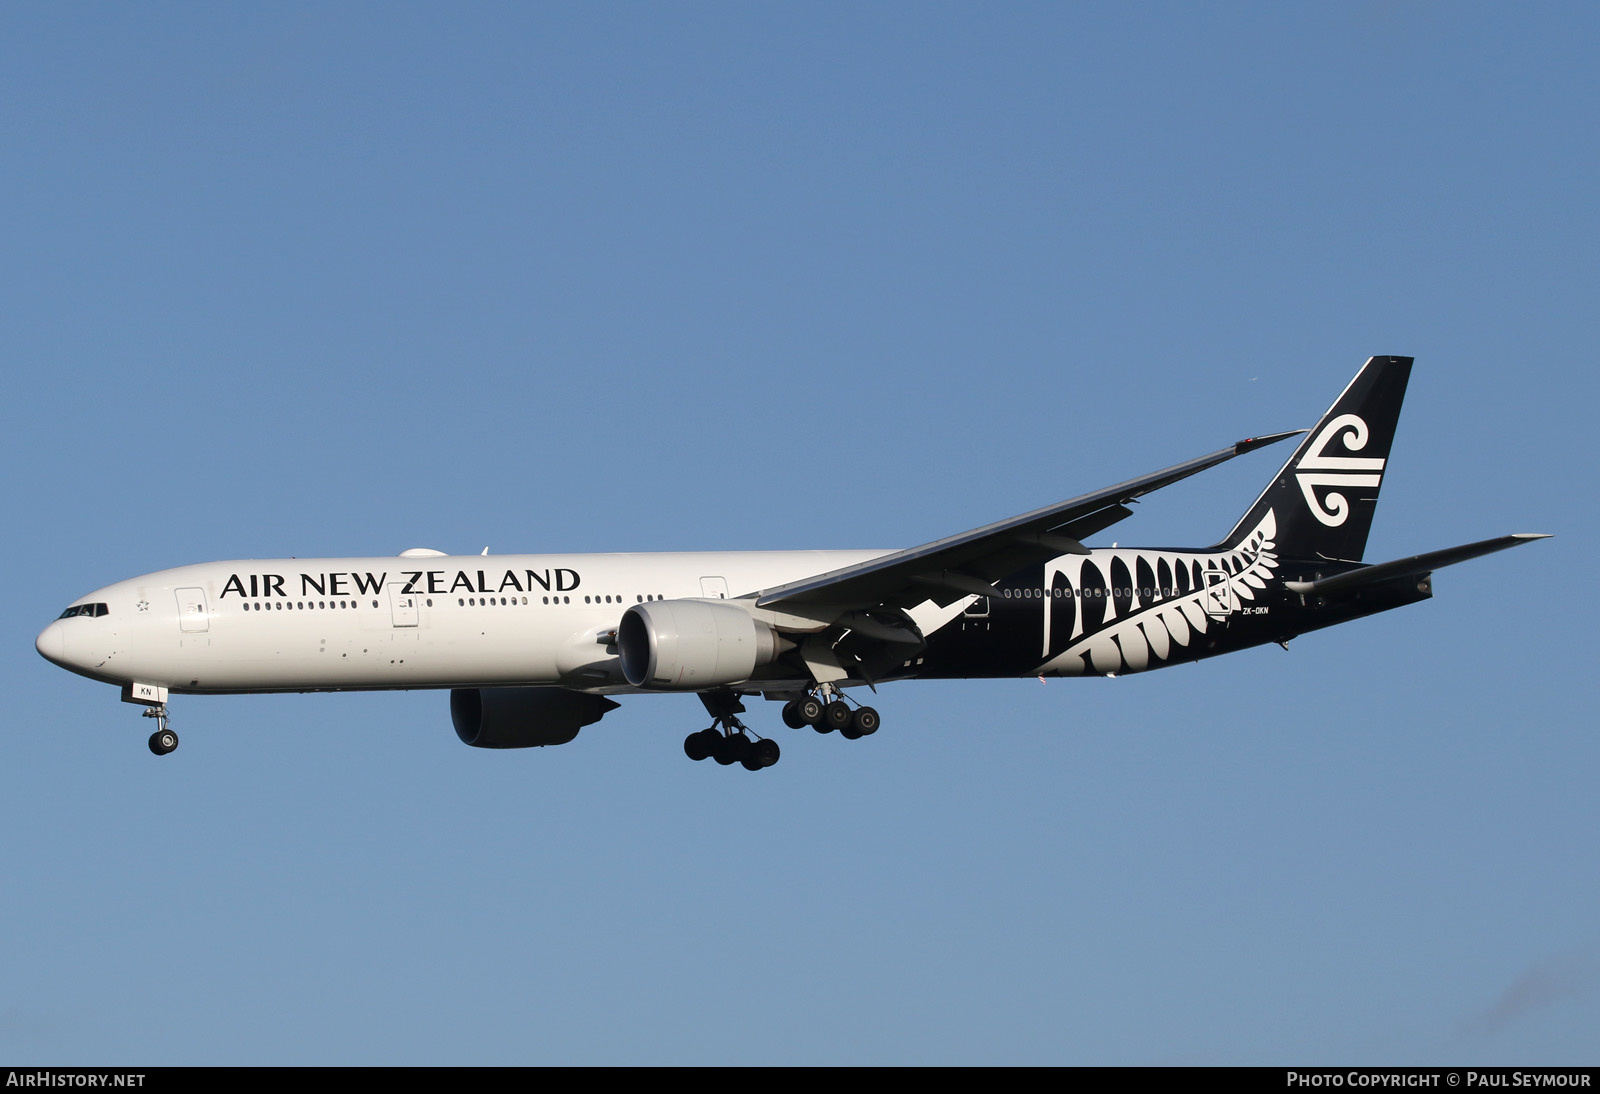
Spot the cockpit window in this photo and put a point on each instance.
(85, 609)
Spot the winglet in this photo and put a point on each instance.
(1250, 444)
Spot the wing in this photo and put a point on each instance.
(968, 564)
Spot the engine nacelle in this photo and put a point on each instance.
(692, 645)
(523, 717)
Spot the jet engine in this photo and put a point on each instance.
(523, 717)
(691, 645)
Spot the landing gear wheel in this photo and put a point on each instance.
(763, 753)
(809, 711)
(163, 740)
(731, 749)
(792, 716)
(865, 721)
(698, 746)
(836, 715)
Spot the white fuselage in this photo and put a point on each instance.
(408, 622)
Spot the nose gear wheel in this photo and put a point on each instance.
(163, 740)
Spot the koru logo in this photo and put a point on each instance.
(1319, 470)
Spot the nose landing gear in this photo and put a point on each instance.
(163, 740)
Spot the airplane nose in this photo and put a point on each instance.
(52, 644)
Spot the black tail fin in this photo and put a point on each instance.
(1320, 505)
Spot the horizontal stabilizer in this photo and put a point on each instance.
(1408, 567)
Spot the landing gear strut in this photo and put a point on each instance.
(163, 740)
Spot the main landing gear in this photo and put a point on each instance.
(163, 740)
(731, 743)
(827, 711)
(733, 747)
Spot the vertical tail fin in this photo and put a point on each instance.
(1322, 501)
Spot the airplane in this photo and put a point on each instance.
(533, 647)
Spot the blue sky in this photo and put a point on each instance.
(310, 280)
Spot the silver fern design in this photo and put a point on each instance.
(1133, 610)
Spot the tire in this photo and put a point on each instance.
(731, 749)
(836, 714)
(764, 752)
(865, 721)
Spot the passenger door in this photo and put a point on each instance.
(402, 606)
(192, 615)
